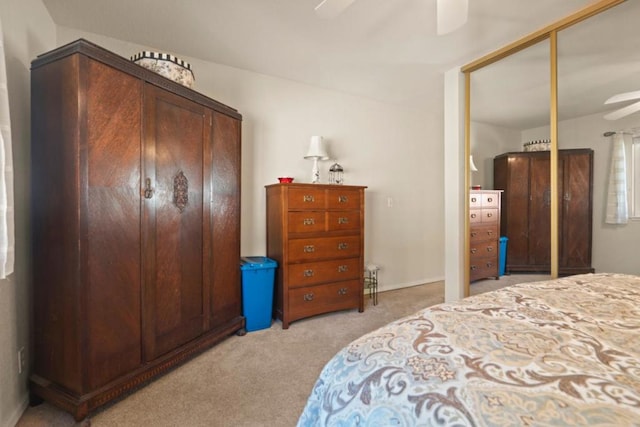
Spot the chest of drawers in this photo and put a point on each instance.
(316, 234)
(484, 224)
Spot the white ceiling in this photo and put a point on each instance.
(382, 49)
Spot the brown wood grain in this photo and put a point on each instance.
(320, 257)
(526, 209)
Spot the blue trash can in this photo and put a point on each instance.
(503, 254)
(258, 275)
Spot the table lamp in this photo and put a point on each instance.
(317, 151)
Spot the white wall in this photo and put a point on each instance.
(396, 152)
(27, 30)
(488, 141)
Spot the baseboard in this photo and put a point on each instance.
(17, 414)
(395, 286)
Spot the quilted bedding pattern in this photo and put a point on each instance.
(563, 352)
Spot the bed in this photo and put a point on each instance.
(554, 353)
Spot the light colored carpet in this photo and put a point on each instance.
(261, 379)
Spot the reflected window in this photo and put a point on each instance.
(635, 177)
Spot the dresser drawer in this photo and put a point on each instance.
(343, 199)
(343, 220)
(490, 200)
(488, 215)
(323, 248)
(312, 300)
(484, 200)
(475, 200)
(306, 221)
(483, 267)
(475, 216)
(306, 198)
(483, 249)
(310, 273)
(484, 232)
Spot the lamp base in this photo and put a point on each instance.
(315, 172)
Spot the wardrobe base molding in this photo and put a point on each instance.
(564, 271)
(81, 405)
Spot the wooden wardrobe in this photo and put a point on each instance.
(526, 215)
(135, 225)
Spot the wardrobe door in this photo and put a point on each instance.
(176, 137)
(540, 211)
(225, 296)
(511, 174)
(112, 239)
(576, 219)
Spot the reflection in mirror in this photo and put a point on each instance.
(509, 99)
(597, 59)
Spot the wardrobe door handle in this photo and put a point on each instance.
(180, 191)
(148, 191)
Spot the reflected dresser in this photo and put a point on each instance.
(484, 225)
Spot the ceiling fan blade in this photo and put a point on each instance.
(623, 112)
(332, 8)
(626, 96)
(451, 15)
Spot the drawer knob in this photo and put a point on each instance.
(489, 215)
(489, 248)
(473, 268)
(343, 199)
(473, 215)
(343, 268)
(308, 297)
(474, 250)
(489, 264)
(342, 291)
(474, 234)
(309, 248)
(473, 200)
(308, 221)
(308, 273)
(342, 246)
(489, 233)
(309, 198)
(343, 220)
(490, 199)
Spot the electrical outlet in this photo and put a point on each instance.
(21, 360)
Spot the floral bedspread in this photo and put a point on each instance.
(563, 352)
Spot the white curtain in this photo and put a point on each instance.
(617, 209)
(7, 237)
